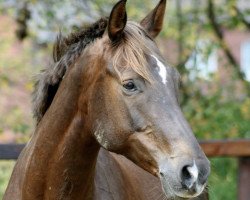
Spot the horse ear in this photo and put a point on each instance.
(153, 22)
(117, 21)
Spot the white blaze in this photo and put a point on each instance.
(162, 69)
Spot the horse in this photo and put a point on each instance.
(109, 123)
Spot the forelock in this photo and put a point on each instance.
(132, 50)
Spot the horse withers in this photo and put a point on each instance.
(110, 91)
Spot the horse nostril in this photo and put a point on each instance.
(161, 173)
(185, 173)
(189, 175)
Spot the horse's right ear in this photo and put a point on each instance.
(153, 22)
(117, 21)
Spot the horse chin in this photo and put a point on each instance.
(185, 195)
(180, 194)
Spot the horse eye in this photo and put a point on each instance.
(130, 86)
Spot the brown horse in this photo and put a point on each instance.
(110, 91)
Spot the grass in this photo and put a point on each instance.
(223, 179)
(6, 168)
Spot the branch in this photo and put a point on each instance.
(241, 17)
(180, 28)
(219, 34)
(182, 58)
(182, 69)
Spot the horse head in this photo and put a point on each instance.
(133, 104)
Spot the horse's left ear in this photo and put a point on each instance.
(117, 21)
(153, 22)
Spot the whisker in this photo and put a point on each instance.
(153, 189)
(165, 198)
(160, 197)
(152, 193)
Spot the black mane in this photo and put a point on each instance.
(66, 50)
(81, 38)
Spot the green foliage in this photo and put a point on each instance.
(223, 181)
(212, 118)
(6, 168)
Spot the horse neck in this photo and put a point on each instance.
(62, 153)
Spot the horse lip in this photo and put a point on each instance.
(196, 194)
(178, 192)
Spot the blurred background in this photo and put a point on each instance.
(208, 41)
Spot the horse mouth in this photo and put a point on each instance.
(174, 192)
(187, 195)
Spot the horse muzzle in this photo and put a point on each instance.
(187, 181)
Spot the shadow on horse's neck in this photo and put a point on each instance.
(63, 152)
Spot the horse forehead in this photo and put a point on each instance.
(165, 72)
(160, 68)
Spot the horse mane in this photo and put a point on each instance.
(66, 50)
